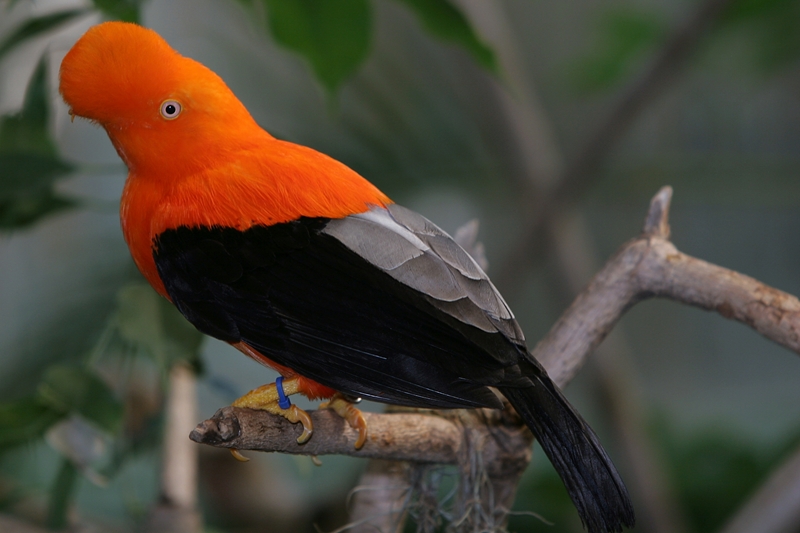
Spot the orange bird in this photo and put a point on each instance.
(306, 267)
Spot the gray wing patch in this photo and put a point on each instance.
(417, 253)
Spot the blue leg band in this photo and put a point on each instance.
(283, 400)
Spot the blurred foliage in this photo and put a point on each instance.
(713, 471)
(335, 36)
(76, 389)
(773, 27)
(37, 26)
(25, 420)
(86, 405)
(446, 22)
(127, 10)
(626, 36)
(150, 325)
(29, 162)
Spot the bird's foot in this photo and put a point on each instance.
(347, 410)
(273, 398)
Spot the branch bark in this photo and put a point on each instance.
(649, 266)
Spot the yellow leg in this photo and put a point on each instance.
(265, 398)
(351, 414)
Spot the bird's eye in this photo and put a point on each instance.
(170, 109)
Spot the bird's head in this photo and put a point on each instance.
(158, 107)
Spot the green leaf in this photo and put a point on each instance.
(446, 22)
(23, 212)
(62, 493)
(74, 389)
(37, 26)
(626, 35)
(28, 131)
(150, 322)
(25, 420)
(127, 10)
(333, 35)
(29, 163)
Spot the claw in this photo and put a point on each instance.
(294, 414)
(351, 414)
(238, 455)
(266, 398)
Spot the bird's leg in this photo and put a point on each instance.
(273, 398)
(347, 410)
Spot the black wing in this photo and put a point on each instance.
(384, 305)
(406, 326)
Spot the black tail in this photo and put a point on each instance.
(589, 475)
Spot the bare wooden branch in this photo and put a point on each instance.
(647, 266)
(644, 267)
(652, 266)
(422, 438)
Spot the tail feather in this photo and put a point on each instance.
(591, 479)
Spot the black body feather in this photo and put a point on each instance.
(307, 296)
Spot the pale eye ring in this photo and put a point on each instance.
(170, 109)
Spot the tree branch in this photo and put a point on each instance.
(647, 266)
(436, 438)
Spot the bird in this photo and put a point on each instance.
(305, 266)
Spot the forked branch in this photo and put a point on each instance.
(649, 265)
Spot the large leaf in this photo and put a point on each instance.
(26, 188)
(28, 131)
(25, 420)
(127, 10)
(37, 26)
(333, 35)
(444, 21)
(29, 162)
(76, 389)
